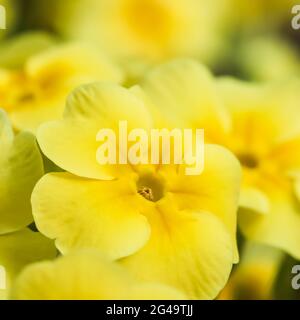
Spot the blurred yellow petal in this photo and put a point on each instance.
(287, 156)
(15, 51)
(297, 189)
(191, 251)
(254, 199)
(185, 94)
(20, 249)
(21, 167)
(85, 275)
(70, 65)
(37, 91)
(146, 30)
(81, 213)
(255, 276)
(89, 109)
(280, 227)
(262, 115)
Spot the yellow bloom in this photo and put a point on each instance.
(255, 276)
(260, 127)
(36, 92)
(86, 275)
(265, 136)
(21, 166)
(183, 235)
(19, 249)
(149, 30)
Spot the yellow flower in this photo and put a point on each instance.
(36, 92)
(255, 276)
(265, 136)
(86, 275)
(182, 235)
(150, 30)
(260, 127)
(19, 249)
(21, 166)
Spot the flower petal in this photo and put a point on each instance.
(215, 190)
(80, 212)
(184, 92)
(254, 199)
(263, 115)
(191, 251)
(89, 109)
(85, 275)
(21, 167)
(20, 249)
(280, 227)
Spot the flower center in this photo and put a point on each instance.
(150, 187)
(248, 160)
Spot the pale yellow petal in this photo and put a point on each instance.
(89, 109)
(191, 251)
(280, 227)
(85, 275)
(81, 213)
(215, 190)
(184, 92)
(20, 249)
(21, 166)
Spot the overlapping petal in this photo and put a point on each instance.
(21, 167)
(89, 109)
(189, 250)
(19, 249)
(86, 275)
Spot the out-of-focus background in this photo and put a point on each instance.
(250, 39)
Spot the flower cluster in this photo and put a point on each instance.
(74, 227)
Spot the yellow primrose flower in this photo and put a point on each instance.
(255, 276)
(260, 127)
(19, 249)
(265, 136)
(161, 224)
(21, 166)
(86, 275)
(36, 92)
(150, 30)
